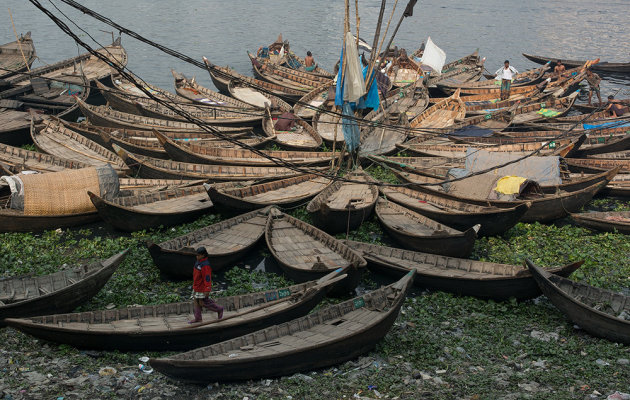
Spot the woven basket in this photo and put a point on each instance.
(60, 193)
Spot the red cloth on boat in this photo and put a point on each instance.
(285, 122)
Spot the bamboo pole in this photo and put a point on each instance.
(28, 68)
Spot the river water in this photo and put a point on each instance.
(224, 30)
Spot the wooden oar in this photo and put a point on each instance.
(320, 284)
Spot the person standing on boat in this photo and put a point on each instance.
(202, 285)
(506, 75)
(309, 62)
(593, 85)
(559, 69)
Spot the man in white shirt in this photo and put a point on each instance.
(506, 75)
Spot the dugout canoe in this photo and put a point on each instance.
(442, 114)
(417, 232)
(126, 329)
(17, 56)
(193, 91)
(207, 154)
(603, 66)
(457, 214)
(105, 116)
(147, 210)
(52, 137)
(597, 311)
(226, 241)
(304, 252)
(485, 280)
(327, 337)
(287, 193)
(344, 206)
(611, 221)
(61, 291)
(301, 137)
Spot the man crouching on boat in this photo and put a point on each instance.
(506, 74)
(202, 285)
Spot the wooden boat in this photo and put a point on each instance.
(442, 114)
(206, 154)
(403, 71)
(145, 143)
(482, 107)
(587, 109)
(139, 184)
(456, 214)
(595, 165)
(550, 108)
(53, 97)
(327, 337)
(15, 125)
(286, 77)
(62, 291)
(530, 77)
(612, 221)
(256, 98)
(305, 253)
(105, 116)
(213, 115)
(328, 126)
(130, 99)
(93, 68)
(344, 206)
(52, 137)
(125, 329)
(602, 144)
(191, 90)
(465, 69)
(226, 241)
(295, 62)
(383, 134)
(153, 209)
(287, 193)
(311, 102)
(124, 94)
(411, 100)
(222, 76)
(146, 167)
(543, 208)
(603, 66)
(464, 277)
(15, 160)
(595, 310)
(301, 137)
(17, 56)
(417, 232)
(554, 147)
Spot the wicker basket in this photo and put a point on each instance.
(60, 193)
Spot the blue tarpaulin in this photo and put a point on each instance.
(350, 128)
(370, 100)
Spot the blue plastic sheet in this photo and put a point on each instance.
(350, 128)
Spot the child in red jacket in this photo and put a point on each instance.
(202, 285)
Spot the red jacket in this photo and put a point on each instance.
(202, 276)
